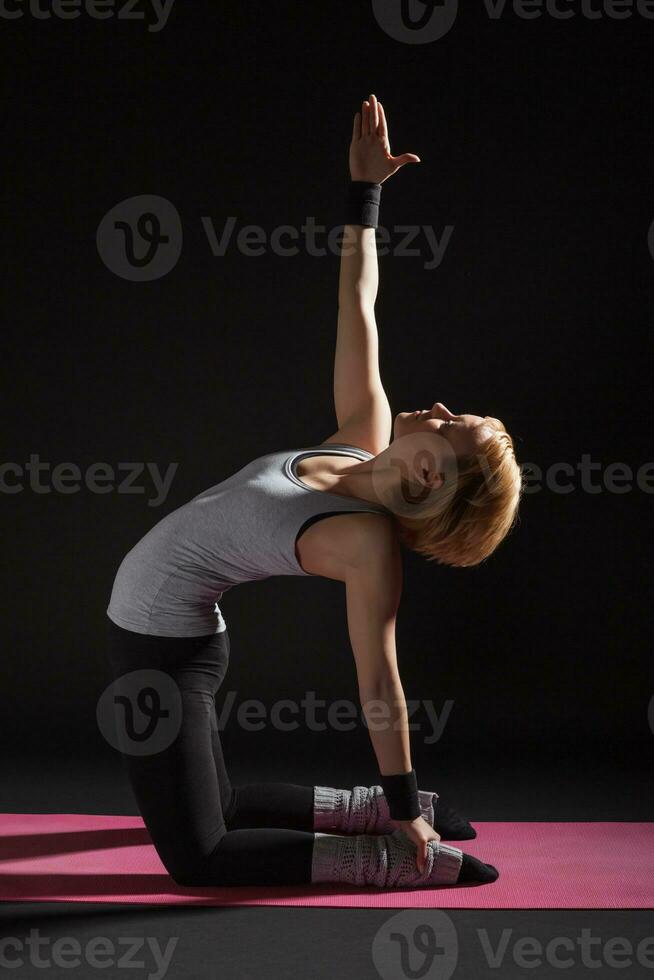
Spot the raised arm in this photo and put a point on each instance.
(362, 410)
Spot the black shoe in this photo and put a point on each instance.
(450, 824)
(475, 872)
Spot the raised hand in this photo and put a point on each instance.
(370, 151)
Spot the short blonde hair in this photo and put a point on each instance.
(481, 510)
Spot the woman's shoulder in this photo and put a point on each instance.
(349, 540)
(372, 534)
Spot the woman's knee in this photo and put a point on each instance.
(187, 876)
(193, 867)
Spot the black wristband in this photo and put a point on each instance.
(401, 792)
(362, 203)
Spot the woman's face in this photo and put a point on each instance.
(463, 433)
(423, 455)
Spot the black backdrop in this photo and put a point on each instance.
(535, 137)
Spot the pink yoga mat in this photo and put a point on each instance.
(71, 857)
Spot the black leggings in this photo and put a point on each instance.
(206, 831)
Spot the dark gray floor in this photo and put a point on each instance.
(239, 944)
(327, 943)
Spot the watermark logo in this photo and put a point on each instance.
(68, 478)
(66, 953)
(564, 477)
(565, 952)
(424, 21)
(318, 240)
(416, 21)
(424, 944)
(317, 715)
(140, 239)
(413, 945)
(567, 9)
(140, 713)
(156, 13)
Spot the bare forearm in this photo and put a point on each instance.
(359, 273)
(386, 715)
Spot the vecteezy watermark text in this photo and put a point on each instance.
(156, 12)
(68, 478)
(589, 476)
(141, 713)
(425, 943)
(319, 240)
(341, 715)
(140, 239)
(99, 953)
(425, 21)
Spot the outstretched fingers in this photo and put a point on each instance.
(365, 118)
(406, 158)
(356, 128)
(374, 114)
(383, 125)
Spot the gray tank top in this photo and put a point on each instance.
(240, 530)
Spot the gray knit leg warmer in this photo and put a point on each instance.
(386, 860)
(362, 810)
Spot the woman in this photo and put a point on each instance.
(446, 485)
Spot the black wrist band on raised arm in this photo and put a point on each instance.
(362, 203)
(401, 792)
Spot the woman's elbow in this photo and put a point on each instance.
(384, 685)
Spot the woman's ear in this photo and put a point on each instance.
(428, 469)
(433, 479)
